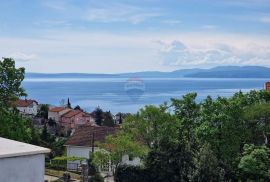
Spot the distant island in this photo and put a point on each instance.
(216, 72)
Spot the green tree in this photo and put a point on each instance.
(69, 104)
(171, 161)
(10, 82)
(14, 126)
(257, 119)
(108, 119)
(115, 147)
(206, 166)
(255, 163)
(43, 111)
(98, 116)
(152, 124)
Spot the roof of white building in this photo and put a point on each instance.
(12, 148)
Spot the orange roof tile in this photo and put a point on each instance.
(71, 113)
(24, 102)
(57, 109)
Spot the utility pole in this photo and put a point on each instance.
(93, 141)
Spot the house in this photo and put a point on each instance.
(21, 162)
(55, 113)
(28, 107)
(75, 118)
(84, 141)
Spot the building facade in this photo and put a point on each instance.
(21, 162)
(55, 113)
(28, 107)
(84, 141)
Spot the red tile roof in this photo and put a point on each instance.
(57, 109)
(24, 102)
(71, 113)
(83, 136)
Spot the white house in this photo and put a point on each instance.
(84, 140)
(27, 106)
(55, 113)
(21, 162)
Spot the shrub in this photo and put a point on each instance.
(125, 173)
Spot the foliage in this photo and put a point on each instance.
(117, 146)
(257, 119)
(92, 168)
(151, 125)
(43, 111)
(203, 141)
(255, 163)
(69, 104)
(108, 120)
(98, 116)
(206, 166)
(125, 173)
(69, 158)
(14, 126)
(171, 162)
(10, 82)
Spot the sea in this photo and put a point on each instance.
(130, 94)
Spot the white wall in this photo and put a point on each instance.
(84, 152)
(22, 169)
(78, 152)
(32, 109)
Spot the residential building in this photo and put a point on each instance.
(75, 118)
(28, 107)
(55, 113)
(21, 162)
(84, 141)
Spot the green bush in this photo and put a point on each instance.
(96, 178)
(55, 166)
(125, 173)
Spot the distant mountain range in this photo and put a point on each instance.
(216, 72)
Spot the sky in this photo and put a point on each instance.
(113, 36)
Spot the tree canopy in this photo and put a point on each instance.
(222, 139)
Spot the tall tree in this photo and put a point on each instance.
(69, 104)
(98, 114)
(12, 124)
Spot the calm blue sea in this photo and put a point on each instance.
(128, 95)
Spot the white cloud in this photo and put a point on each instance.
(179, 54)
(103, 52)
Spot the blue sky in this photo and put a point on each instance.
(126, 36)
